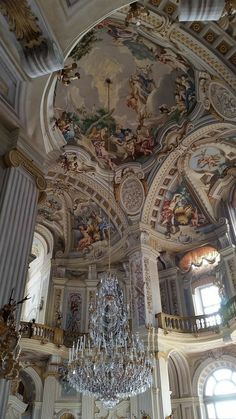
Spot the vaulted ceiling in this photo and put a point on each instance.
(139, 127)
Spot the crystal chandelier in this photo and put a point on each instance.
(110, 363)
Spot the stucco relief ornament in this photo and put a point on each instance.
(222, 100)
(204, 81)
(132, 195)
(130, 191)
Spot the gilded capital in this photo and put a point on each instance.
(15, 158)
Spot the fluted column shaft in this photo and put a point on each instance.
(191, 10)
(19, 189)
(18, 203)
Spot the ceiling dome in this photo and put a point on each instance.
(118, 91)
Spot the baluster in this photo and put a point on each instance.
(176, 323)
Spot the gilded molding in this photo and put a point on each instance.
(22, 22)
(15, 158)
(160, 354)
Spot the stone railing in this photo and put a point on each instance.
(42, 332)
(46, 334)
(188, 324)
(195, 324)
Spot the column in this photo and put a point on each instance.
(144, 281)
(162, 402)
(21, 182)
(87, 407)
(50, 388)
(191, 10)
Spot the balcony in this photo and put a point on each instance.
(198, 324)
(46, 334)
(188, 333)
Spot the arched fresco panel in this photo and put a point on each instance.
(179, 217)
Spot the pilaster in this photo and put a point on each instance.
(50, 388)
(57, 300)
(161, 398)
(87, 407)
(144, 280)
(170, 291)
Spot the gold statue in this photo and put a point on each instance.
(9, 338)
(68, 74)
(136, 12)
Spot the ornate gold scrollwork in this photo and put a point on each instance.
(9, 338)
(22, 22)
(15, 158)
(230, 7)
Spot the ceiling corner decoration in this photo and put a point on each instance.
(40, 54)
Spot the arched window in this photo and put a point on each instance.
(220, 394)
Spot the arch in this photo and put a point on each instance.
(173, 379)
(46, 236)
(160, 174)
(37, 382)
(67, 416)
(206, 368)
(64, 414)
(180, 374)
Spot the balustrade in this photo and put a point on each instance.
(182, 324)
(42, 333)
(203, 323)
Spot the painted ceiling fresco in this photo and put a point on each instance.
(147, 86)
(151, 127)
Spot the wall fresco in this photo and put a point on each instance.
(212, 163)
(91, 229)
(73, 312)
(179, 215)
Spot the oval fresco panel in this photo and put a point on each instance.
(116, 92)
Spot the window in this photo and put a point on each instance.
(207, 299)
(220, 394)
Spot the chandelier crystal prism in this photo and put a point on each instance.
(109, 363)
